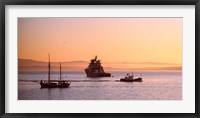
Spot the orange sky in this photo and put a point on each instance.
(112, 39)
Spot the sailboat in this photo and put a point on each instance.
(54, 83)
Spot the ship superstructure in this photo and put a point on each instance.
(95, 69)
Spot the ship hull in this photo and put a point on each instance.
(90, 74)
(131, 80)
(54, 85)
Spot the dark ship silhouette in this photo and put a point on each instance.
(54, 83)
(130, 78)
(95, 69)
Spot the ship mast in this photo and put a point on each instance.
(60, 71)
(49, 70)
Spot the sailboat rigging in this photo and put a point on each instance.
(53, 83)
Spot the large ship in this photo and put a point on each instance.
(95, 69)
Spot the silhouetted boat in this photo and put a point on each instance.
(95, 69)
(54, 83)
(130, 78)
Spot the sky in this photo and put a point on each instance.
(132, 40)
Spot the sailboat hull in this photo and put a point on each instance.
(54, 85)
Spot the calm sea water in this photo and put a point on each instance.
(156, 85)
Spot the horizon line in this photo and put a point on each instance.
(147, 62)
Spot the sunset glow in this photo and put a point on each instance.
(132, 40)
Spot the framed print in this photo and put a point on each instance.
(129, 58)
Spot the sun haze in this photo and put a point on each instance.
(131, 40)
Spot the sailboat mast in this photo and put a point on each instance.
(49, 70)
(60, 71)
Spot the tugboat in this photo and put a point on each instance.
(95, 69)
(130, 78)
(54, 83)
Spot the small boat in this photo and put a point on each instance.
(95, 69)
(130, 78)
(54, 83)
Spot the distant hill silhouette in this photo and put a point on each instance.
(29, 64)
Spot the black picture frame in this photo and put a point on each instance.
(99, 2)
